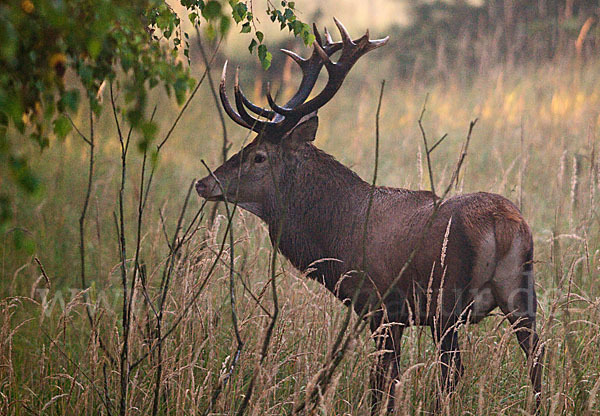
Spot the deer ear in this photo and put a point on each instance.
(304, 131)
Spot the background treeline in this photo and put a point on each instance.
(462, 38)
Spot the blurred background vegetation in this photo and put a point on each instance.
(528, 70)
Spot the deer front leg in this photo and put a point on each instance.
(385, 369)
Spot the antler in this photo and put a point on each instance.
(285, 117)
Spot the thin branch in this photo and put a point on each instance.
(83, 373)
(124, 356)
(374, 182)
(164, 289)
(225, 145)
(46, 278)
(187, 103)
(140, 220)
(239, 342)
(163, 225)
(85, 139)
(108, 401)
(427, 152)
(188, 306)
(459, 163)
(438, 142)
(269, 331)
(82, 220)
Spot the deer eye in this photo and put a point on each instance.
(259, 158)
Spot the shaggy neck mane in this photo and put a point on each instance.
(322, 203)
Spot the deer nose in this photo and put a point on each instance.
(200, 187)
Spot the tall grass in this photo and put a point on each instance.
(536, 143)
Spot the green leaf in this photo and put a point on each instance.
(94, 47)
(264, 56)
(212, 10)
(252, 45)
(62, 127)
(297, 27)
(289, 15)
(225, 24)
(23, 175)
(210, 32)
(239, 12)
(149, 130)
(246, 28)
(180, 86)
(70, 100)
(259, 36)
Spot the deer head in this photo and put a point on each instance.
(251, 176)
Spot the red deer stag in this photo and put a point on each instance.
(316, 208)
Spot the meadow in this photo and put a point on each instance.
(237, 333)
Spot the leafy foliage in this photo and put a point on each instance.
(44, 44)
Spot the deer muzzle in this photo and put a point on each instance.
(209, 189)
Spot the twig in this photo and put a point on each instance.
(239, 342)
(164, 289)
(46, 278)
(187, 103)
(140, 219)
(226, 145)
(85, 139)
(124, 356)
(163, 226)
(427, 152)
(441, 139)
(83, 373)
(106, 395)
(82, 219)
(187, 307)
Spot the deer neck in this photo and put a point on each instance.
(321, 207)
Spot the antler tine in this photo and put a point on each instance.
(225, 101)
(327, 36)
(351, 52)
(324, 56)
(328, 46)
(376, 43)
(369, 44)
(263, 112)
(273, 104)
(297, 58)
(288, 115)
(322, 50)
(345, 35)
(254, 124)
(317, 34)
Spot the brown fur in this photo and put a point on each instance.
(316, 209)
(399, 259)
